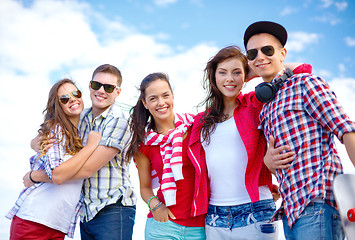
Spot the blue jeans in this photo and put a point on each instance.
(245, 221)
(317, 221)
(113, 222)
(169, 230)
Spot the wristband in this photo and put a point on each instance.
(150, 199)
(29, 175)
(156, 207)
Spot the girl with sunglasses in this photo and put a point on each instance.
(164, 147)
(241, 202)
(47, 210)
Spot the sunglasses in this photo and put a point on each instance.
(267, 50)
(65, 98)
(107, 87)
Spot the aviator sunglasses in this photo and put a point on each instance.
(65, 98)
(267, 50)
(107, 87)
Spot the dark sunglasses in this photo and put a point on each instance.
(107, 87)
(65, 98)
(267, 50)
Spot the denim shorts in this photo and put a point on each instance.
(317, 221)
(240, 215)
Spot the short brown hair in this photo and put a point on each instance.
(107, 68)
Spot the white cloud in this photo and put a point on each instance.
(198, 3)
(341, 67)
(298, 41)
(328, 18)
(326, 3)
(344, 89)
(164, 2)
(341, 6)
(50, 39)
(350, 41)
(288, 11)
(326, 74)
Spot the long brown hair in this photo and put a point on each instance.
(54, 116)
(214, 99)
(140, 116)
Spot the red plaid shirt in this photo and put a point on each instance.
(306, 115)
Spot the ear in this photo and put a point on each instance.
(144, 104)
(118, 91)
(283, 54)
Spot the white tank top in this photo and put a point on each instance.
(52, 205)
(227, 159)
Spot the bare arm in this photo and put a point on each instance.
(97, 160)
(69, 168)
(349, 142)
(36, 146)
(162, 213)
(37, 176)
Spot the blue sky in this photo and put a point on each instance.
(328, 24)
(42, 41)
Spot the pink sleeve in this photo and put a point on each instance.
(303, 68)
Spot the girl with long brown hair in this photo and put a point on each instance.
(241, 202)
(47, 210)
(164, 147)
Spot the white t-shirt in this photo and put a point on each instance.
(50, 200)
(227, 159)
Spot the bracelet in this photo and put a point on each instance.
(156, 207)
(29, 175)
(150, 199)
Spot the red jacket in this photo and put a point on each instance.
(246, 117)
(198, 171)
(197, 155)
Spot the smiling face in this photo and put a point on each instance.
(74, 106)
(230, 77)
(159, 100)
(102, 100)
(266, 66)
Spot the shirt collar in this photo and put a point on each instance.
(279, 74)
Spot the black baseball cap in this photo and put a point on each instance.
(272, 28)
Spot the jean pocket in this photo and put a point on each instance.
(268, 227)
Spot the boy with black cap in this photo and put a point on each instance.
(303, 113)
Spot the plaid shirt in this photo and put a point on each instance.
(52, 159)
(306, 115)
(112, 181)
